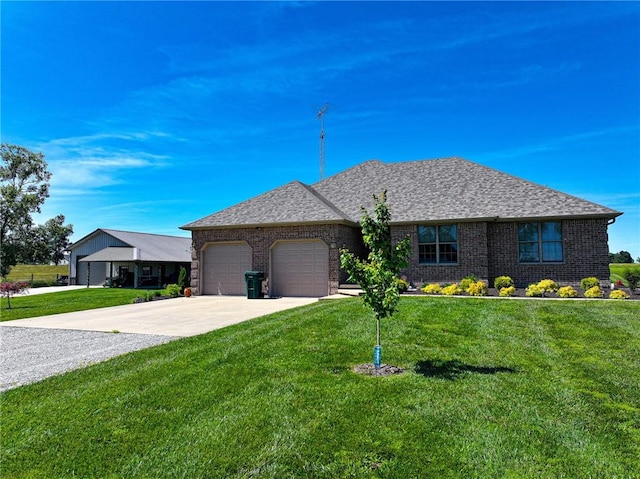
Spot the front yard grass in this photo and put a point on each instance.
(492, 388)
(617, 271)
(29, 306)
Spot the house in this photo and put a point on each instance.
(138, 260)
(463, 218)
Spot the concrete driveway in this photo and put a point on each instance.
(169, 317)
(36, 348)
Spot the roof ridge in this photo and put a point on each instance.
(108, 230)
(324, 200)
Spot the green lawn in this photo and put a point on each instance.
(28, 306)
(617, 271)
(493, 388)
(41, 274)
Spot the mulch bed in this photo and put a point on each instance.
(384, 370)
(521, 293)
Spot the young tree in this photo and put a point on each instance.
(9, 289)
(182, 279)
(378, 274)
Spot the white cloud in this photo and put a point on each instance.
(84, 163)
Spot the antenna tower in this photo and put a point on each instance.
(321, 118)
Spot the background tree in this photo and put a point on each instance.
(620, 257)
(57, 238)
(24, 186)
(378, 274)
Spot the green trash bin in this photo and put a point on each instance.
(254, 284)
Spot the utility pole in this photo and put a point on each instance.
(321, 118)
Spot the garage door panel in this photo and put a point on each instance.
(300, 268)
(224, 265)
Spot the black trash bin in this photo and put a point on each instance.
(254, 284)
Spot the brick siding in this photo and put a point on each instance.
(262, 240)
(472, 255)
(585, 248)
(485, 249)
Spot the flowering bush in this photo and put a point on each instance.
(548, 285)
(507, 291)
(588, 283)
(479, 288)
(9, 289)
(619, 294)
(502, 282)
(567, 292)
(452, 290)
(467, 281)
(535, 291)
(594, 292)
(433, 288)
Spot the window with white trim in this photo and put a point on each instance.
(438, 244)
(540, 242)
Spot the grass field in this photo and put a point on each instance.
(39, 274)
(617, 271)
(492, 388)
(26, 306)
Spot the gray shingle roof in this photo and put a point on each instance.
(150, 247)
(292, 203)
(426, 190)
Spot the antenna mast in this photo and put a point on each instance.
(321, 118)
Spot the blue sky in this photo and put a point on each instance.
(154, 114)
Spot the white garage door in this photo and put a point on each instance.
(223, 268)
(300, 268)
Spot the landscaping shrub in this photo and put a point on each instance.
(479, 288)
(567, 292)
(183, 281)
(403, 285)
(452, 290)
(507, 291)
(173, 290)
(433, 288)
(503, 282)
(588, 283)
(594, 292)
(548, 285)
(632, 277)
(467, 281)
(534, 291)
(618, 294)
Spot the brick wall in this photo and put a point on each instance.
(490, 249)
(472, 255)
(486, 250)
(262, 240)
(585, 247)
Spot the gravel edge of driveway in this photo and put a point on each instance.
(29, 355)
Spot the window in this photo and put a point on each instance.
(438, 244)
(540, 242)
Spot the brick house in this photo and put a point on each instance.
(463, 218)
